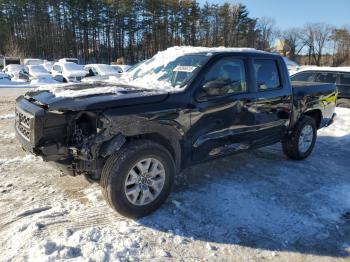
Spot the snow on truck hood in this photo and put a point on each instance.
(83, 96)
(89, 89)
(147, 75)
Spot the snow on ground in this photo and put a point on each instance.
(7, 116)
(6, 83)
(249, 207)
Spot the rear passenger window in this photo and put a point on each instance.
(345, 79)
(326, 77)
(304, 76)
(267, 74)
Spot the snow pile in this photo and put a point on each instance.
(7, 116)
(341, 128)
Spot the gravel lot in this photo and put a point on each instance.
(249, 207)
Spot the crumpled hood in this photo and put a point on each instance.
(94, 96)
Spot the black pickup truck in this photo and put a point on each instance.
(134, 141)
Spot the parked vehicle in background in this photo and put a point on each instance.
(121, 68)
(338, 75)
(11, 60)
(291, 65)
(99, 72)
(31, 72)
(48, 65)
(133, 138)
(32, 61)
(4, 78)
(73, 60)
(68, 72)
(13, 70)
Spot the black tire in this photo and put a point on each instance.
(343, 103)
(291, 145)
(116, 170)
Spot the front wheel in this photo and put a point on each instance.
(301, 142)
(138, 179)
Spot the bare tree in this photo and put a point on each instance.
(341, 46)
(315, 37)
(293, 42)
(268, 32)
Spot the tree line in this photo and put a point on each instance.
(104, 30)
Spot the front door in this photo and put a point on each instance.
(223, 123)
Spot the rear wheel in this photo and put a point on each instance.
(301, 142)
(138, 179)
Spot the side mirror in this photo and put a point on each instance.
(216, 88)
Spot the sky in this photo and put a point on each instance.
(296, 13)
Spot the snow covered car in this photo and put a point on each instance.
(31, 72)
(48, 65)
(338, 75)
(291, 65)
(99, 72)
(13, 70)
(4, 78)
(68, 72)
(36, 74)
(184, 106)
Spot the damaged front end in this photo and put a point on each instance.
(78, 143)
(91, 142)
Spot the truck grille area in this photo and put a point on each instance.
(23, 125)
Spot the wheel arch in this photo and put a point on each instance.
(166, 136)
(316, 114)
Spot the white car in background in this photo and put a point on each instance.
(36, 72)
(291, 65)
(13, 70)
(4, 78)
(121, 68)
(68, 72)
(73, 60)
(99, 72)
(48, 65)
(32, 61)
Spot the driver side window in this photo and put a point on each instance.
(229, 71)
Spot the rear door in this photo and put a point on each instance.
(273, 104)
(223, 124)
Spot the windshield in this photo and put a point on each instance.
(15, 67)
(72, 67)
(173, 74)
(107, 69)
(37, 69)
